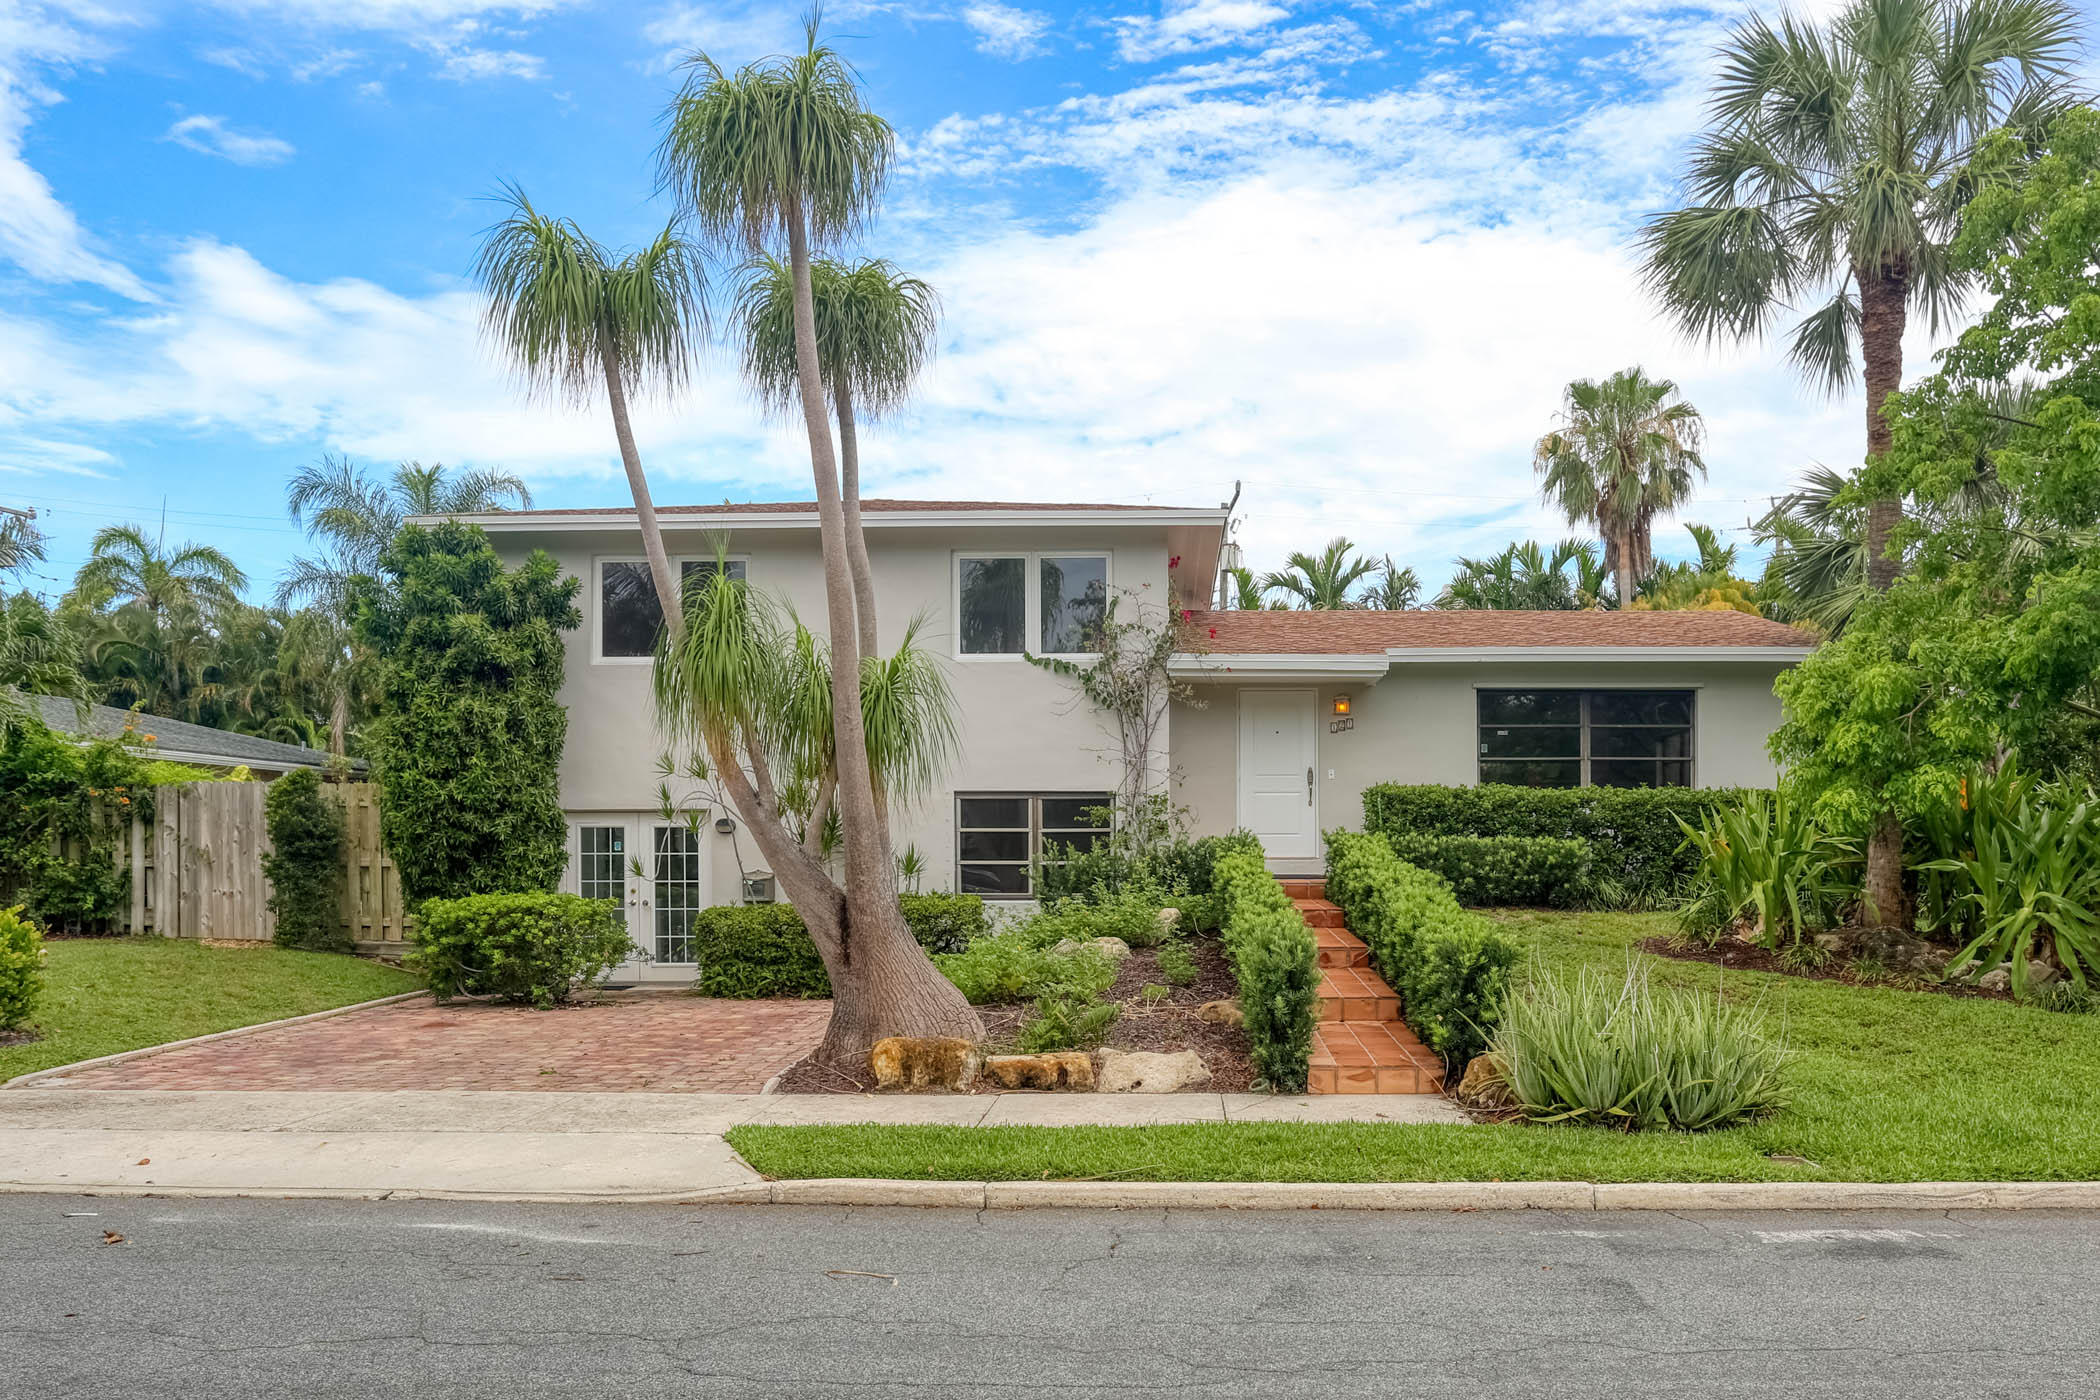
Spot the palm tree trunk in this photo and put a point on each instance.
(1622, 563)
(1883, 311)
(856, 539)
(668, 593)
(339, 717)
(883, 985)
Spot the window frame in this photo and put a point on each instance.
(1031, 605)
(1035, 799)
(597, 597)
(1583, 727)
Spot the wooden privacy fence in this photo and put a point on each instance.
(197, 872)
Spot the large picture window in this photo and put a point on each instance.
(1586, 738)
(997, 596)
(998, 836)
(629, 616)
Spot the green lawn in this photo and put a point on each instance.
(102, 995)
(1884, 1085)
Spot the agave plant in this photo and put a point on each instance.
(1768, 860)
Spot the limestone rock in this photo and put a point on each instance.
(1116, 948)
(2040, 973)
(1223, 1013)
(922, 1064)
(1065, 947)
(1482, 1086)
(1998, 979)
(1146, 1072)
(1168, 918)
(1061, 1069)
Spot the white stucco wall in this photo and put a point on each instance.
(1420, 725)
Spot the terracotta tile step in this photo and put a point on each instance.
(1301, 887)
(1356, 994)
(1319, 913)
(1372, 1058)
(1341, 948)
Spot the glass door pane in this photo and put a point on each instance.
(601, 866)
(677, 889)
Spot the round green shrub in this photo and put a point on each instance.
(21, 968)
(533, 947)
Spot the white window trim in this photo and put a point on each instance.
(1031, 596)
(597, 604)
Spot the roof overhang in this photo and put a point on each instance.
(519, 522)
(1335, 667)
(1768, 656)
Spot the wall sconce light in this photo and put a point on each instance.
(726, 825)
(1341, 705)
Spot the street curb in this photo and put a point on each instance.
(1447, 1196)
(147, 1051)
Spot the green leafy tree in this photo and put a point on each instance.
(1626, 451)
(786, 151)
(1834, 170)
(1321, 582)
(467, 740)
(1524, 577)
(305, 864)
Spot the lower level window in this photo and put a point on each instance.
(998, 836)
(1586, 738)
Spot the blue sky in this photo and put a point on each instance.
(1345, 253)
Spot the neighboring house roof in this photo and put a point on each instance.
(1362, 630)
(177, 739)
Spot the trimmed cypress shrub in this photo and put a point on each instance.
(1276, 963)
(305, 864)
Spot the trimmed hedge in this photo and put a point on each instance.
(763, 950)
(1633, 832)
(1450, 967)
(21, 969)
(305, 864)
(529, 947)
(1486, 870)
(1276, 963)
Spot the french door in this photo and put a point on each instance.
(655, 872)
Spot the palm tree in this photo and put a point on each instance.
(569, 316)
(357, 516)
(1246, 589)
(126, 567)
(1835, 169)
(21, 542)
(1524, 578)
(876, 330)
(1320, 582)
(1395, 591)
(785, 150)
(39, 655)
(1706, 583)
(1626, 451)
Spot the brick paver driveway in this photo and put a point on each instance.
(662, 1042)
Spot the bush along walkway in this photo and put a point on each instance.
(1361, 1045)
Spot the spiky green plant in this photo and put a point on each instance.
(1321, 582)
(1767, 860)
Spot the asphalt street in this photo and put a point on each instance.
(236, 1298)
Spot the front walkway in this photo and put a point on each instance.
(661, 1042)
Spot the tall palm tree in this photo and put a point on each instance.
(356, 515)
(1321, 582)
(1626, 451)
(571, 316)
(21, 542)
(1396, 590)
(39, 655)
(1524, 578)
(785, 151)
(1246, 593)
(876, 329)
(1834, 170)
(124, 566)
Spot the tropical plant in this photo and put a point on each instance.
(21, 542)
(305, 863)
(1835, 166)
(1765, 859)
(1626, 450)
(1707, 583)
(1321, 582)
(1246, 595)
(356, 515)
(1396, 589)
(125, 567)
(1524, 577)
(467, 737)
(1632, 1056)
(535, 948)
(21, 969)
(572, 317)
(1817, 569)
(786, 151)
(39, 655)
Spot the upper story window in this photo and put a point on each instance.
(998, 595)
(629, 614)
(1586, 738)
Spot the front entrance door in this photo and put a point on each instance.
(655, 871)
(1278, 751)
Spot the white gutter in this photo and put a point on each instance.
(1768, 655)
(1277, 666)
(516, 521)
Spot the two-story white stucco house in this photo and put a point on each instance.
(1294, 714)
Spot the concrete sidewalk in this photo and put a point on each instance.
(543, 1147)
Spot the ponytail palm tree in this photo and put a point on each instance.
(876, 330)
(1834, 171)
(1321, 582)
(784, 151)
(572, 317)
(1626, 450)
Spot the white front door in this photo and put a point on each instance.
(655, 871)
(1278, 751)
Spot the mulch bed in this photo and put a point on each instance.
(1738, 956)
(1168, 1027)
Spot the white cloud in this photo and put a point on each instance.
(1004, 31)
(1188, 26)
(211, 136)
(730, 33)
(470, 65)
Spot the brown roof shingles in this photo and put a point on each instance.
(1364, 632)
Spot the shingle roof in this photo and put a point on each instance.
(174, 736)
(1362, 631)
(877, 505)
